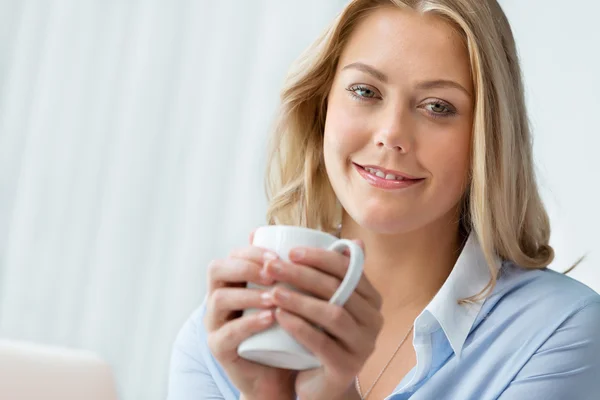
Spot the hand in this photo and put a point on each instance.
(227, 297)
(348, 333)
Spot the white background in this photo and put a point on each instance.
(132, 140)
(560, 52)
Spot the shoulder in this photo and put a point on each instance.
(536, 303)
(532, 308)
(194, 373)
(545, 329)
(190, 339)
(542, 290)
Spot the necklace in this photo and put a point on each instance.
(383, 370)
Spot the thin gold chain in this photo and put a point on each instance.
(383, 370)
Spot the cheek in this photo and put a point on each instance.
(448, 160)
(345, 131)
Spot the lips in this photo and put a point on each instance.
(386, 179)
(387, 173)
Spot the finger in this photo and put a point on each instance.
(224, 342)
(333, 318)
(251, 237)
(223, 302)
(322, 286)
(372, 295)
(252, 253)
(235, 270)
(330, 353)
(363, 312)
(328, 261)
(360, 244)
(333, 263)
(304, 278)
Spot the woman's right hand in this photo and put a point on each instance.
(227, 328)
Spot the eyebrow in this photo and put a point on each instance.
(375, 73)
(437, 83)
(441, 83)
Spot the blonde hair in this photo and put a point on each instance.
(502, 205)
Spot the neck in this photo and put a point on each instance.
(408, 268)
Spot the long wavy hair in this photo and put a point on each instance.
(501, 205)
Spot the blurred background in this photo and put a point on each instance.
(132, 146)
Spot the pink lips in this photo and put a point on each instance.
(386, 184)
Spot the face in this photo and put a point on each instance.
(399, 120)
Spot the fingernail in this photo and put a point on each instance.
(265, 317)
(268, 256)
(281, 294)
(275, 266)
(267, 298)
(279, 312)
(265, 277)
(297, 254)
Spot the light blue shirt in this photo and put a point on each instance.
(537, 336)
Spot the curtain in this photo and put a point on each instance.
(132, 152)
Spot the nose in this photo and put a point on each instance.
(394, 131)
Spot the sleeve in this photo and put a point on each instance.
(567, 365)
(192, 373)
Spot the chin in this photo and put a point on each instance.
(385, 223)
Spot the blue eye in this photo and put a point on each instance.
(362, 93)
(440, 108)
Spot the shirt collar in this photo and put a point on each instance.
(468, 277)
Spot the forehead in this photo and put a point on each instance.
(402, 43)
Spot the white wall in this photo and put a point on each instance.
(132, 138)
(559, 45)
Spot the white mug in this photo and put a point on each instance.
(274, 346)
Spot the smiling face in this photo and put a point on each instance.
(401, 105)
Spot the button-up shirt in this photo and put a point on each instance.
(537, 336)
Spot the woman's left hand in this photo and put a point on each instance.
(348, 333)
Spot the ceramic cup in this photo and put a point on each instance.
(274, 346)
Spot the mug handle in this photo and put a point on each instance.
(353, 274)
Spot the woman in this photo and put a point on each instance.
(405, 125)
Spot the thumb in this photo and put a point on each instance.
(360, 243)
